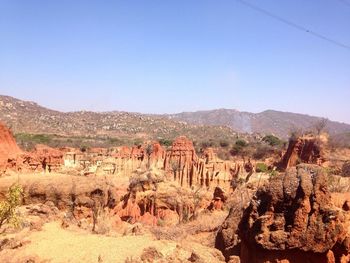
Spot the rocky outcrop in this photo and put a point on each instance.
(65, 191)
(293, 219)
(182, 160)
(42, 158)
(152, 200)
(219, 199)
(8, 146)
(189, 170)
(305, 149)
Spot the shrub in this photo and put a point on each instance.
(114, 141)
(166, 142)
(84, 148)
(238, 148)
(235, 150)
(261, 168)
(224, 144)
(241, 143)
(207, 144)
(272, 140)
(8, 207)
(138, 142)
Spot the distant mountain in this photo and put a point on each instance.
(267, 122)
(29, 117)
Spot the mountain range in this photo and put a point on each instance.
(29, 117)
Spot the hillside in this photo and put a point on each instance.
(266, 122)
(31, 118)
(26, 118)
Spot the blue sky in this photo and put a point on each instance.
(172, 56)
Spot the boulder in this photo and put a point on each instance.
(293, 219)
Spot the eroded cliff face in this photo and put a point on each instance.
(180, 161)
(151, 199)
(8, 146)
(292, 219)
(42, 158)
(190, 170)
(304, 149)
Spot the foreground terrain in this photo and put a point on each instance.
(150, 203)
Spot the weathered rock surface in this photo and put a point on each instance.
(219, 199)
(293, 219)
(151, 199)
(305, 149)
(77, 194)
(41, 159)
(8, 146)
(189, 170)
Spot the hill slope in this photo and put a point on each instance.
(29, 117)
(266, 122)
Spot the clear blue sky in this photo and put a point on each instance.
(171, 56)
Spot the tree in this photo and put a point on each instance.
(8, 208)
(165, 142)
(272, 140)
(320, 125)
(239, 148)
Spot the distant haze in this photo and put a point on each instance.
(175, 56)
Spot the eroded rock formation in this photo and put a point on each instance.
(188, 169)
(144, 201)
(304, 149)
(153, 200)
(292, 219)
(219, 199)
(8, 146)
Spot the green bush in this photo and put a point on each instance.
(138, 142)
(115, 141)
(261, 168)
(8, 207)
(238, 147)
(35, 138)
(166, 142)
(272, 140)
(241, 143)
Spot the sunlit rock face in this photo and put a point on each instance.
(8, 146)
(190, 170)
(292, 219)
(305, 149)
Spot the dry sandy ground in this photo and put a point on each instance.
(58, 245)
